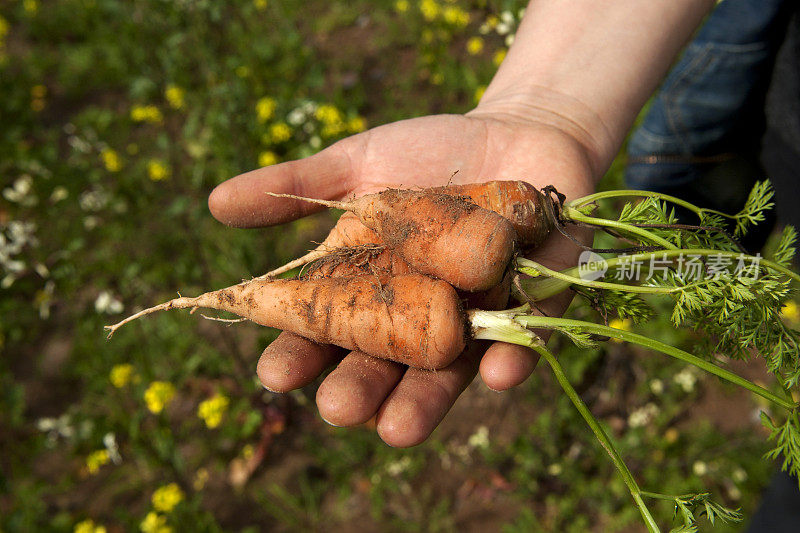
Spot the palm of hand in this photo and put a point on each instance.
(422, 152)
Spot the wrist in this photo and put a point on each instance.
(544, 107)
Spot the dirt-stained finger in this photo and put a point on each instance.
(291, 362)
(352, 393)
(423, 397)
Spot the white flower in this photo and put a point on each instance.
(22, 233)
(642, 416)
(686, 379)
(507, 17)
(398, 467)
(20, 191)
(739, 475)
(42, 270)
(479, 439)
(106, 303)
(555, 469)
(309, 107)
(90, 222)
(509, 40)
(657, 386)
(503, 28)
(93, 200)
(110, 442)
(56, 427)
(699, 468)
(58, 194)
(296, 117)
(315, 142)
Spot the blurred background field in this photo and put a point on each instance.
(117, 118)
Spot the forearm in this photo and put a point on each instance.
(590, 65)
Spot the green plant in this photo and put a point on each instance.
(735, 299)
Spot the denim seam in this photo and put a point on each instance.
(679, 87)
(738, 48)
(655, 137)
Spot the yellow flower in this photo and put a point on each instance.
(456, 16)
(157, 170)
(479, 93)
(332, 130)
(280, 132)
(213, 409)
(437, 78)
(401, 6)
(111, 160)
(146, 113)
(154, 523)
(248, 451)
(96, 459)
(618, 323)
(175, 96)
(671, 435)
(492, 21)
(38, 92)
(3, 29)
(165, 498)
(88, 526)
(474, 46)
(242, 71)
(267, 158)
(261, 5)
(791, 311)
(356, 124)
(328, 114)
(200, 479)
(158, 395)
(30, 6)
(121, 375)
(265, 108)
(430, 9)
(499, 56)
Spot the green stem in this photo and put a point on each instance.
(666, 197)
(576, 216)
(559, 281)
(658, 496)
(532, 268)
(560, 323)
(601, 436)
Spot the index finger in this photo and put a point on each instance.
(241, 201)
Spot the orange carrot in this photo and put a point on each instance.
(367, 259)
(410, 319)
(348, 231)
(444, 236)
(518, 201)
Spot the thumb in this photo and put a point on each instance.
(242, 201)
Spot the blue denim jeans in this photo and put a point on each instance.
(711, 102)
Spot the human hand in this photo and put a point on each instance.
(489, 143)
